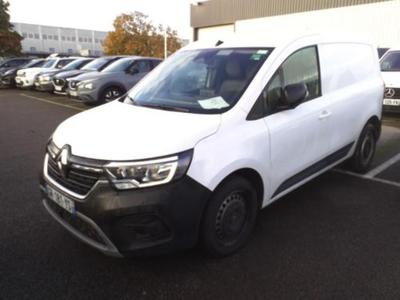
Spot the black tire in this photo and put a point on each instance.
(363, 156)
(229, 217)
(111, 93)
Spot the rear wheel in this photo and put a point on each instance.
(229, 217)
(111, 93)
(365, 149)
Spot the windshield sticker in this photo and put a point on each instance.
(224, 52)
(262, 52)
(255, 56)
(213, 103)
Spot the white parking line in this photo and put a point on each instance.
(379, 169)
(51, 102)
(392, 183)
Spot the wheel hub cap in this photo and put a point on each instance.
(231, 217)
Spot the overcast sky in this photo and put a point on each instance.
(100, 14)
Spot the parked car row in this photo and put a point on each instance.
(93, 81)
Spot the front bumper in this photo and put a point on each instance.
(7, 81)
(44, 86)
(23, 82)
(391, 108)
(87, 96)
(148, 221)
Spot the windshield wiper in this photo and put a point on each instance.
(163, 107)
(158, 106)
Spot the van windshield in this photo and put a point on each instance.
(391, 62)
(200, 81)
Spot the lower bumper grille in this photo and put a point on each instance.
(77, 223)
(82, 227)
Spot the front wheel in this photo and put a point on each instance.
(229, 217)
(365, 150)
(111, 94)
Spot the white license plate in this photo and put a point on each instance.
(394, 102)
(17, 80)
(61, 200)
(73, 93)
(58, 88)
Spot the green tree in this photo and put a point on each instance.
(10, 41)
(134, 34)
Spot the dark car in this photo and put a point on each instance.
(44, 80)
(60, 80)
(13, 63)
(7, 78)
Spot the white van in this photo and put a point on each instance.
(215, 133)
(390, 67)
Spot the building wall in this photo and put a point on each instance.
(379, 21)
(39, 39)
(217, 12)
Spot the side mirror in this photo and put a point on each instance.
(294, 94)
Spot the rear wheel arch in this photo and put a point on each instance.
(376, 122)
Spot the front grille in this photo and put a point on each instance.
(392, 93)
(76, 180)
(77, 223)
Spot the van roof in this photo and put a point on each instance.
(278, 40)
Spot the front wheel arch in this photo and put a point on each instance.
(105, 88)
(253, 177)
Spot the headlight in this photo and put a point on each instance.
(86, 85)
(131, 175)
(22, 74)
(45, 78)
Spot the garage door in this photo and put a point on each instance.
(215, 32)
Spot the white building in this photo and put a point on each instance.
(379, 20)
(44, 40)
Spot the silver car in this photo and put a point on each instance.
(113, 82)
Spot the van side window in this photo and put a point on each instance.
(301, 66)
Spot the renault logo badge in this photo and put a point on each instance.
(63, 160)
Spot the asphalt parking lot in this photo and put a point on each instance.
(337, 237)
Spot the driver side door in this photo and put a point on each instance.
(299, 136)
(136, 72)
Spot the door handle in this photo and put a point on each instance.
(324, 114)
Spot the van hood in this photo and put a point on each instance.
(118, 131)
(391, 79)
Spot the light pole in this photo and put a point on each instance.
(165, 44)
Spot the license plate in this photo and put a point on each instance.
(393, 102)
(17, 80)
(61, 200)
(58, 88)
(73, 93)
